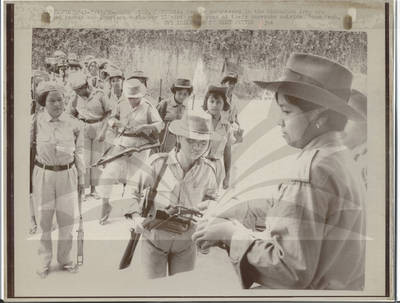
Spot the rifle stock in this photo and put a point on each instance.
(129, 250)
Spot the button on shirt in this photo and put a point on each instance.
(315, 228)
(130, 117)
(175, 187)
(93, 107)
(59, 141)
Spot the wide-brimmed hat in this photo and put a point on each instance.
(317, 80)
(358, 97)
(77, 79)
(194, 125)
(219, 90)
(133, 88)
(74, 62)
(182, 84)
(137, 74)
(230, 76)
(45, 87)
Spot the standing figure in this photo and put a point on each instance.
(90, 106)
(215, 103)
(137, 123)
(186, 179)
(315, 232)
(229, 81)
(57, 175)
(93, 76)
(172, 109)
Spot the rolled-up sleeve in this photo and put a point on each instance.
(287, 253)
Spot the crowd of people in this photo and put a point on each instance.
(93, 127)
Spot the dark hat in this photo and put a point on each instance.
(194, 125)
(317, 80)
(138, 74)
(74, 62)
(182, 84)
(230, 76)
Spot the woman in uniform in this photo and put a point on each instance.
(215, 102)
(57, 175)
(315, 228)
(186, 179)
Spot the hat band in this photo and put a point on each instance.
(291, 75)
(207, 132)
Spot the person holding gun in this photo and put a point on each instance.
(185, 178)
(57, 178)
(91, 107)
(137, 123)
(172, 109)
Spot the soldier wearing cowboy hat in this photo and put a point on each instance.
(186, 179)
(135, 120)
(57, 175)
(315, 229)
(172, 109)
(140, 75)
(91, 107)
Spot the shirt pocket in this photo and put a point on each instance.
(65, 140)
(43, 137)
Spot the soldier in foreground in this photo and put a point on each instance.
(185, 179)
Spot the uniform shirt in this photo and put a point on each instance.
(130, 117)
(93, 107)
(59, 141)
(175, 187)
(315, 228)
(217, 147)
(169, 110)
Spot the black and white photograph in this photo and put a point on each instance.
(208, 163)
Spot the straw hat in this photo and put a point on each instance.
(77, 79)
(45, 87)
(133, 88)
(194, 125)
(317, 80)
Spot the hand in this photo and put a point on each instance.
(205, 205)
(137, 224)
(210, 232)
(225, 183)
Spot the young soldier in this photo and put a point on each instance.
(90, 106)
(135, 119)
(172, 109)
(230, 81)
(186, 179)
(216, 103)
(57, 175)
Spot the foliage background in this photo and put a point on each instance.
(168, 54)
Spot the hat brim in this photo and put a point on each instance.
(174, 87)
(177, 128)
(313, 94)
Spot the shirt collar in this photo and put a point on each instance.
(223, 119)
(329, 139)
(49, 118)
(173, 159)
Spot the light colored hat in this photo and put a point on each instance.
(77, 79)
(47, 86)
(88, 58)
(317, 80)
(194, 125)
(113, 72)
(137, 74)
(133, 88)
(60, 54)
(92, 61)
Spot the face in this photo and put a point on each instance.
(54, 104)
(134, 101)
(215, 104)
(93, 69)
(293, 122)
(116, 84)
(181, 95)
(193, 149)
(83, 91)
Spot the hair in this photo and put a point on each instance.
(335, 121)
(229, 79)
(226, 104)
(42, 98)
(175, 89)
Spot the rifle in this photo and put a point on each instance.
(160, 97)
(79, 258)
(33, 228)
(147, 205)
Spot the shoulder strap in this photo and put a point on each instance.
(153, 190)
